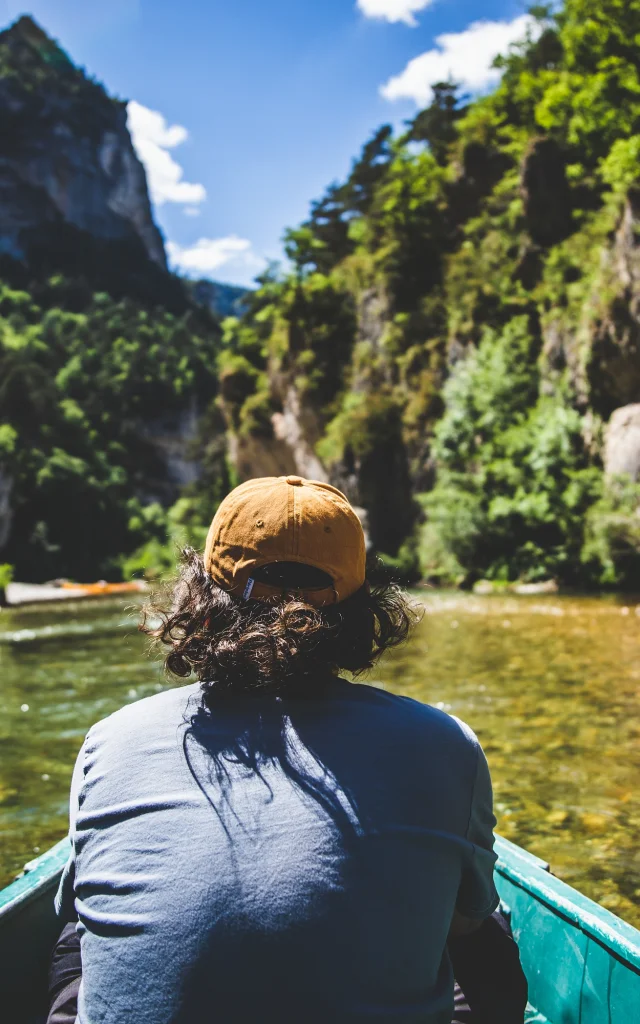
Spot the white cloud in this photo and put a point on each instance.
(465, 57)
(152, 138)
(192, 211)
(230, 259)
(393, 10)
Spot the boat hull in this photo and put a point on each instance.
(28, 931)
(582, 962)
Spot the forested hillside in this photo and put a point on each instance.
(459, 338)
(107, 361)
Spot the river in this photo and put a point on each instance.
(550, 684)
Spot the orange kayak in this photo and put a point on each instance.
(102, 587)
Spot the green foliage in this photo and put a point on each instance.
(515, 483)
(487, 392)
(168, 531)
(80, 393)
(409, 227)
(328, 236)
(362, 425)
(321, 326)
(8, 438)
(611, 552)
(436, 124)
(620, 169)
(404, 567)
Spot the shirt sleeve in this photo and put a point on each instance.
(65, 896)
(477, 895)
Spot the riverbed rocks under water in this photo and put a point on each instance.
(550, 683)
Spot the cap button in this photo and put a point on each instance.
(294, 480)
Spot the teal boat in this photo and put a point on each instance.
(582, 962)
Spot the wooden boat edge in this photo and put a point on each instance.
(39, 875)
(528, 872)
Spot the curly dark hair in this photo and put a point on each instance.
(280, 647)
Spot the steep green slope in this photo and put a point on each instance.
(107, 363)
(463, 317)
(99, 411)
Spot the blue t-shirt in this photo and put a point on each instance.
(276, 861)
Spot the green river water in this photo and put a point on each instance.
(550, 684)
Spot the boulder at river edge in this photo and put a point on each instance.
(622, 442)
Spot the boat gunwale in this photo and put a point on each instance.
(39, 875)
(620, 939)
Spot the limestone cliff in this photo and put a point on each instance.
(460, 332)
(6, 514)
(107, 360)
(291, 437)
(66, 157)
(614, 362)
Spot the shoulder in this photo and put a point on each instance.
(423, 718)
(151, 714)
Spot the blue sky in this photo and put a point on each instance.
(245, 111)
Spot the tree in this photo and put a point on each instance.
(324, 240)
(368, 170)
(436, 124)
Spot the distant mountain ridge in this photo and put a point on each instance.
(222, 299)
(67, 163)
(73, 192)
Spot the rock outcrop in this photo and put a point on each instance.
(545, 193)
(614, 364)
(66, 156)
(6, 513)
(600, 347)
(171, 464)
(260, 456)
(298, 428)
(376, 480)
(291, 446)
(622, 443)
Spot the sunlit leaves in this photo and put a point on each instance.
(76, 393)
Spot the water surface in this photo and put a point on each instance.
(550, 684)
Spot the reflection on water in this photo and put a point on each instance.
(550, 684)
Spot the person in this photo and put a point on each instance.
(275, 842)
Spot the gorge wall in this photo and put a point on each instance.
(458, 341)
(66, 158)
(107, 361)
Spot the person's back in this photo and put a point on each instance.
(269, 845)
(277, 860)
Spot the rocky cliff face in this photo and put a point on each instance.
(614, 364)
(66, 156)
(597, 341)
(376, 478)
(171, 464)
(6, 514)
(461, 330)
(622, 442)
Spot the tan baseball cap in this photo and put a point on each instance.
(286, 519)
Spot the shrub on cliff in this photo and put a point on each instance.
(515, 481)
(611, 552)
